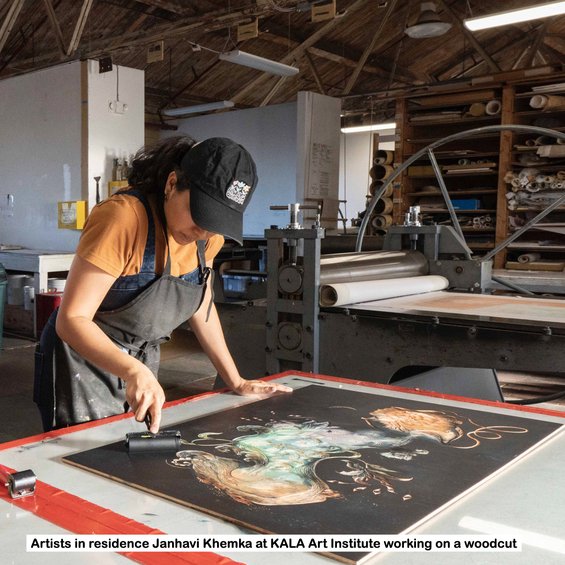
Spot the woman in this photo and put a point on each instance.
(142, 267)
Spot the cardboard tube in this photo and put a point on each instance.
(380, 172)
(383, 157)
(529, 257)
(384, 206)
(477, 109)
(381, 221)
(365, 291)
(376, 185)
(493, 107)
(547, 102)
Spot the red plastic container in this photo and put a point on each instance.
(45, 304)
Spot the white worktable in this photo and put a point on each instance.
(37, 261)
(528, 495)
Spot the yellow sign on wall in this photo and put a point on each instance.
(71, 214)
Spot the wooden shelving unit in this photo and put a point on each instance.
(483, 185)
(470, 167)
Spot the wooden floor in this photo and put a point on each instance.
(185, 371)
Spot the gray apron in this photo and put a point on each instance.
(138, 314)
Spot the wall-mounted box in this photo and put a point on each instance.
(116, 185)
(71, 214)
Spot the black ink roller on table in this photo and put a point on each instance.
(148, 442)
(144, 442)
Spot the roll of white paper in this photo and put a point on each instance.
(365, 291)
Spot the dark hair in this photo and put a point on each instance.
(153, 164)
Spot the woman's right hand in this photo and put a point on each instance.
(145, 396)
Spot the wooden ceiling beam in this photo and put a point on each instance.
(470, 37)
(56, 27)
(314, 71)
(298, 50)
(369, 49)
(167, 5)
(79, 27)
(10, 21)
(542, 30)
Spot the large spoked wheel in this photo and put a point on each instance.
(429, 151)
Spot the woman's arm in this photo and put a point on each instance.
(211, 338)
(85, 289)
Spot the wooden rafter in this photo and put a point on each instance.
(168, 5)
(10, 21)
(536, 44)
(79, 27)
(470, 37)
(369, 49)
(314, 72)
(297, 51)
(272, 92)
(56, 27)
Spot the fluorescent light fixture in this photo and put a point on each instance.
(197, 109)
(516, 16)
(372, 127)
(260, 63)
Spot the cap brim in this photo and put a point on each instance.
(213, 216)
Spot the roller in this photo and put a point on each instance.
(370, 265)
(144, 442)
(20, 484)
(379, 221)
(380, 172)
(546, 103)
(365, 291)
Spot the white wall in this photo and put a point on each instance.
(113, 135)
(269, 134)
(40, 140)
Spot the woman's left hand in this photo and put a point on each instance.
(260, 388)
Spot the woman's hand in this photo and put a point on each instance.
(259, 388)
(145, 396)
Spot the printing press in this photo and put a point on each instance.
(449, 336)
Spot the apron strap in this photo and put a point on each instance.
(148, 264)
(205, 272)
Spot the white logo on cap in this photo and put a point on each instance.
(238, 191)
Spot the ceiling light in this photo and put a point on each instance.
(197, 109)
(371, 127)
(516, 16)
(260, 63)
(428, 24)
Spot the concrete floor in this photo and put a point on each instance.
(185, 371)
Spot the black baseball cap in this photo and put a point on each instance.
(222, 176)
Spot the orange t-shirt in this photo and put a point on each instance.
(115, 235)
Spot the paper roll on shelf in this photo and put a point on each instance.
(384, 206)
(493, 107)
(383, 157)
(380, 172)
(547, 102)
(381, 221)
(366, 291)
(529, 257)
(377, 184)
(477, 109)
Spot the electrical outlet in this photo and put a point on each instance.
(117, 107)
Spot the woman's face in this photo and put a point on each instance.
(177, 212)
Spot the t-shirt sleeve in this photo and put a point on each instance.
(109, 236)
(213, 246)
